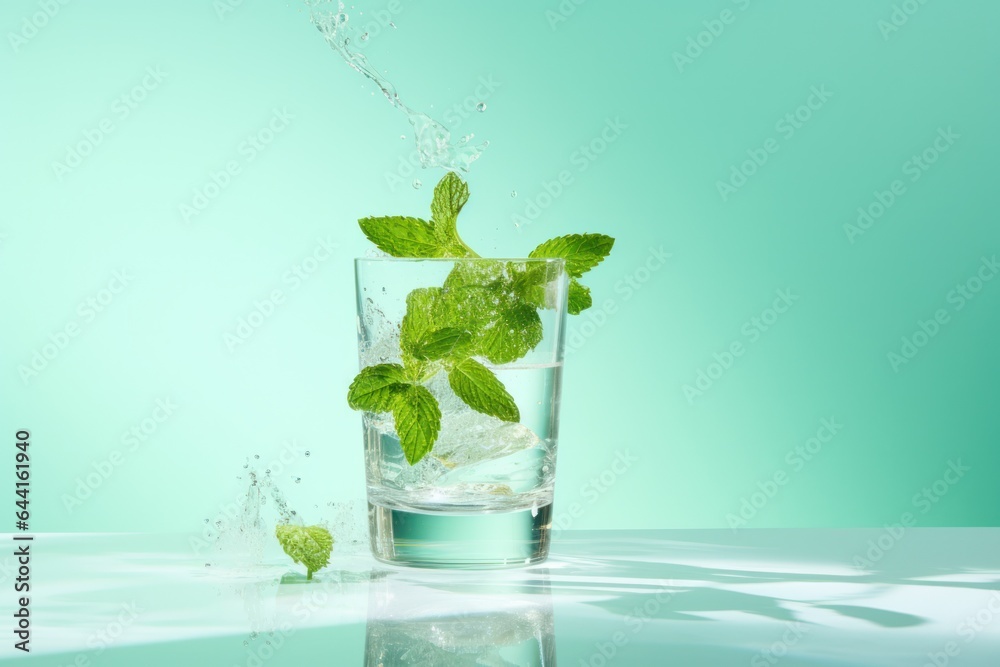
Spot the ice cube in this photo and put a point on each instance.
(470, 437)
(381, 340)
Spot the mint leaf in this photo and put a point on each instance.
(579, 298)
(423, 315)
(375, 388)
(446, 342)
(418, 421)
(485, 273)
(512, 336)
(582, 252)
(482, 391)
(309, 545)
(532, 279)
(450, 195)
(402, 237)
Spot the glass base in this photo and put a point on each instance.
(460, 540)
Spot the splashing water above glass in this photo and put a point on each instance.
(433, 140)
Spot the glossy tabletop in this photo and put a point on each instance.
(906, 596)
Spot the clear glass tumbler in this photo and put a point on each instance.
(483, 340)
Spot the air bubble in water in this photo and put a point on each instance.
(364, 37)
(307, 452)
(256, 456)
(481, 107)
(513, 193)
(416, 183)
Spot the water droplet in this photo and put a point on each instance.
(416, 183)
(481, 107)
(513, 193)
(364, 37)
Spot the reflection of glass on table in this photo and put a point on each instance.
(462, 623)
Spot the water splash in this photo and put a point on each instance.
(433, 140)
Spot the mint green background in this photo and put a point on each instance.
(654, 186)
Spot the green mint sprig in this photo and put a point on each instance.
(487, 310)
(309, 545)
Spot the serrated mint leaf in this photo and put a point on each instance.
(402, 236)
(533, 279)
(482, 391)
(423, 315)
(418, 421)
(579, 298)
(512, 336)
(308, 545)
(443, 343)
(450, 195)
(582, 252)
(481, 273)
(374, 388)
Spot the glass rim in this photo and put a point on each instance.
(524, 260)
